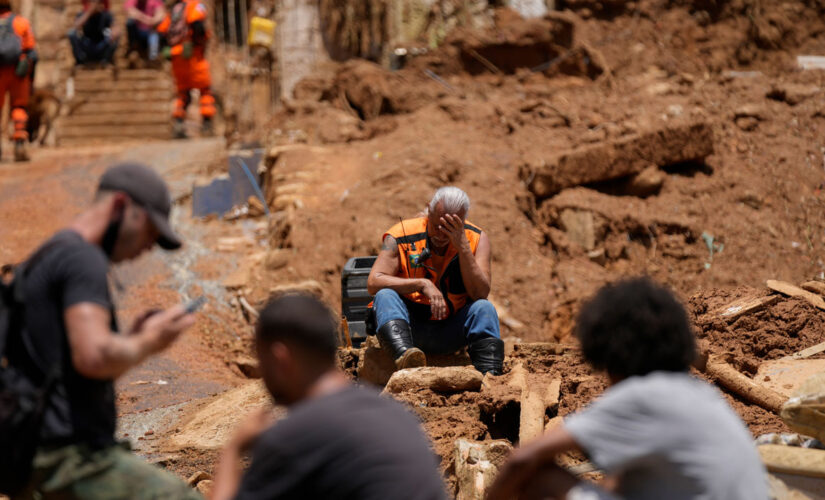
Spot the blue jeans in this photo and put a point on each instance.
(476, 320)
(87, 51)
(148, 40)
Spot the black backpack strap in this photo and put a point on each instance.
(18, 299)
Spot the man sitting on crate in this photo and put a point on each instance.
(430, 281)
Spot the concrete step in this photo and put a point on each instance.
(85, 75)
(122, 96)
(115, 120)
(92, 132)
(85, 141)
(125, 86)
(124, 107)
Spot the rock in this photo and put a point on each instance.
(792, 93)
(618, 158)
(237, 279)
(248, 366)
(675, 110)
(439, 379)
(307, 286)
(368, 88)
(476, 464)
(234, 243)
(599, 256)
(581, 227)
(208, 423)
(647, 182)
(197, 477)
(205, 487)
(613, 216)
(256, 207)
(750, 111)
(662, 88)
(747, 123)
(374, 365)
(277, 258)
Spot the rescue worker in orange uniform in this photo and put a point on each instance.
(185, 30)
(431, 280)
(17, 59)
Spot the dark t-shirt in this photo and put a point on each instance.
(95, 27)
(70, 271)
(352, 444)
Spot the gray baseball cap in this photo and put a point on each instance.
(147, 189)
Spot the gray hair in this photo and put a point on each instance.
(452, 199)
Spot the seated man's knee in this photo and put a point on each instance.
(385, 295)
(483, 307)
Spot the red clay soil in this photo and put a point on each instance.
(376, 144)
(759, 194)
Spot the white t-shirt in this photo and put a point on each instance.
(670, 436)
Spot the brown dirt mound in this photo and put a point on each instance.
(774, 332)
(750, 211)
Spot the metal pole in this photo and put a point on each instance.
(233, 33)
(244, 22)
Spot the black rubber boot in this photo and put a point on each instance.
(396, 336)
(487, 355)
(178, 129)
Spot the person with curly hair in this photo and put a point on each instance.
(657, 432)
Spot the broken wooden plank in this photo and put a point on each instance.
(807, 353)
(731, 379)
(782, 459)
(745, 306)
(815, 287)
(531, 415)
(552, 396)
(786, 288)
(476, 464)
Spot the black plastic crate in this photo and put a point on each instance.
(354, 296)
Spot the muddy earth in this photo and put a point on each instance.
(673, 138)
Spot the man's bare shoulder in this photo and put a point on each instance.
(389, 245)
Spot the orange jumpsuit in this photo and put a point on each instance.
(191, 73)
(18, 88)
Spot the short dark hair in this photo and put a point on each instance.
(635, 327)
(300, 319)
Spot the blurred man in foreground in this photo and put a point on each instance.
(658, 432)
(70, 322)
(337, 440)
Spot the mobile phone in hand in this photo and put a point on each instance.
(195, 304)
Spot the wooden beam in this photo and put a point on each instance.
(745, 306)
(808, 352)
(815, 287)
(793, 460)
(786, 288)
(731, 379)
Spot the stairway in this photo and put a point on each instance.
(97, 108)
(135, 106)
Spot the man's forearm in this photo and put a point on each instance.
(227, 474)
(82, 19)
(475, 280)
(400, 285)
(117, 356)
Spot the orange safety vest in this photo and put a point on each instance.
(184, 13)
(411, 236)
